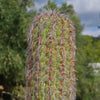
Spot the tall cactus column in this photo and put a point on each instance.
(50, 73)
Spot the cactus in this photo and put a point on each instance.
(50, 73)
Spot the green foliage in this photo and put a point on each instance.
(50, 6)
(67, 9)
(14, 20)
(19, 91)
(87, 85)
(96, 46)
(11, 68)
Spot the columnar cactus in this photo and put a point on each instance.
(50, 73)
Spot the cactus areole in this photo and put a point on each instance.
(50, 73)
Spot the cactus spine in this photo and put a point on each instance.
(50, 73)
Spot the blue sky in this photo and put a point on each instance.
(87, 10)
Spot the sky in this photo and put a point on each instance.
(87, 10)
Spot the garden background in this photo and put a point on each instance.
(15, 18)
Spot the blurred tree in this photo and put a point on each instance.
(14, 20)
(67, 9)
(89, 84)
(50, 6)
(85, 84)
(96, 44)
